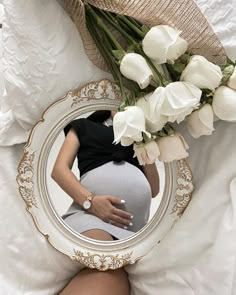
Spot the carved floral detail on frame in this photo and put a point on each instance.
(102, 262)
(184, 188)
(25, 179)
(96, 90)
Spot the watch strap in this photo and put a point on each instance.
(90, 197)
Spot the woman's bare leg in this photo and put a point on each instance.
(97, 234)
(94, 282)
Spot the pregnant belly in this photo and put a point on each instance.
(125, 181)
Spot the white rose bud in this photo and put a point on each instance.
(200, 122)
(172, 148)
(224, 103)
(202, 73)
(129, 125)
(163, 43)
(179, 100)
(146, 153)
(151, 106)
(134, 67)
(232, 80)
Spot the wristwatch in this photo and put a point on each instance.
(88, 202)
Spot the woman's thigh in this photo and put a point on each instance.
(97, 234)
(94, 282)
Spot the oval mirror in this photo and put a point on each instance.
(48, 204)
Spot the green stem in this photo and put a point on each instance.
(105, 48)
(169, 129)
(104, 52)
(113, 21)
(149, 61)
(131, 25)
(154, 83)
(101, 24)
(122, 89)
(135, 22)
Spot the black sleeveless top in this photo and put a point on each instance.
(96, 147)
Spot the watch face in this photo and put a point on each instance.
(87, 204)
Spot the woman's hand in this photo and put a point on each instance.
(102, 207)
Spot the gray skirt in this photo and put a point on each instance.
(122, 180)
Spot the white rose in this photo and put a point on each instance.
(200, 122)
(178, 100)
(224, 103)
(134, 67)
(163, 43)
(232, 80)
(172, 148)
(129, 125)
(151, 106)
(146, 153)
(202, 73)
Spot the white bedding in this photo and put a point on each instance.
(197, 257)
(43, 59)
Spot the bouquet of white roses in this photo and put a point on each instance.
(165, 84)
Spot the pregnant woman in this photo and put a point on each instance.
(112, 198)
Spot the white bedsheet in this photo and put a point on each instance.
(197, 257)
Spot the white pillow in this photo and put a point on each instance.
(43, 58)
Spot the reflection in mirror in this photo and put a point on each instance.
(104, 170)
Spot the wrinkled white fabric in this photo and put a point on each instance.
(197, 257)
(221, 16)
(29, 265)
(43, 59)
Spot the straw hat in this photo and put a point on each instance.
(183, 15)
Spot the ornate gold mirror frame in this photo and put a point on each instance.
(33, 186)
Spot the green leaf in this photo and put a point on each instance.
(146, 138)
(131, 85)
(122, 106)
(169, 129)
(161, 133)
(178, 67)
(207, 96)
(206, 91)
(209, 100)
(184, 58)
(131, 48)
(145, 29)
(119, 54)
(140, 95)
(166, 83)
(173, 74)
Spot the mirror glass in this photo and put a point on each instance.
(130, 183)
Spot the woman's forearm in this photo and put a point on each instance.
(67, 180)
(102, 207)
(153, 178)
